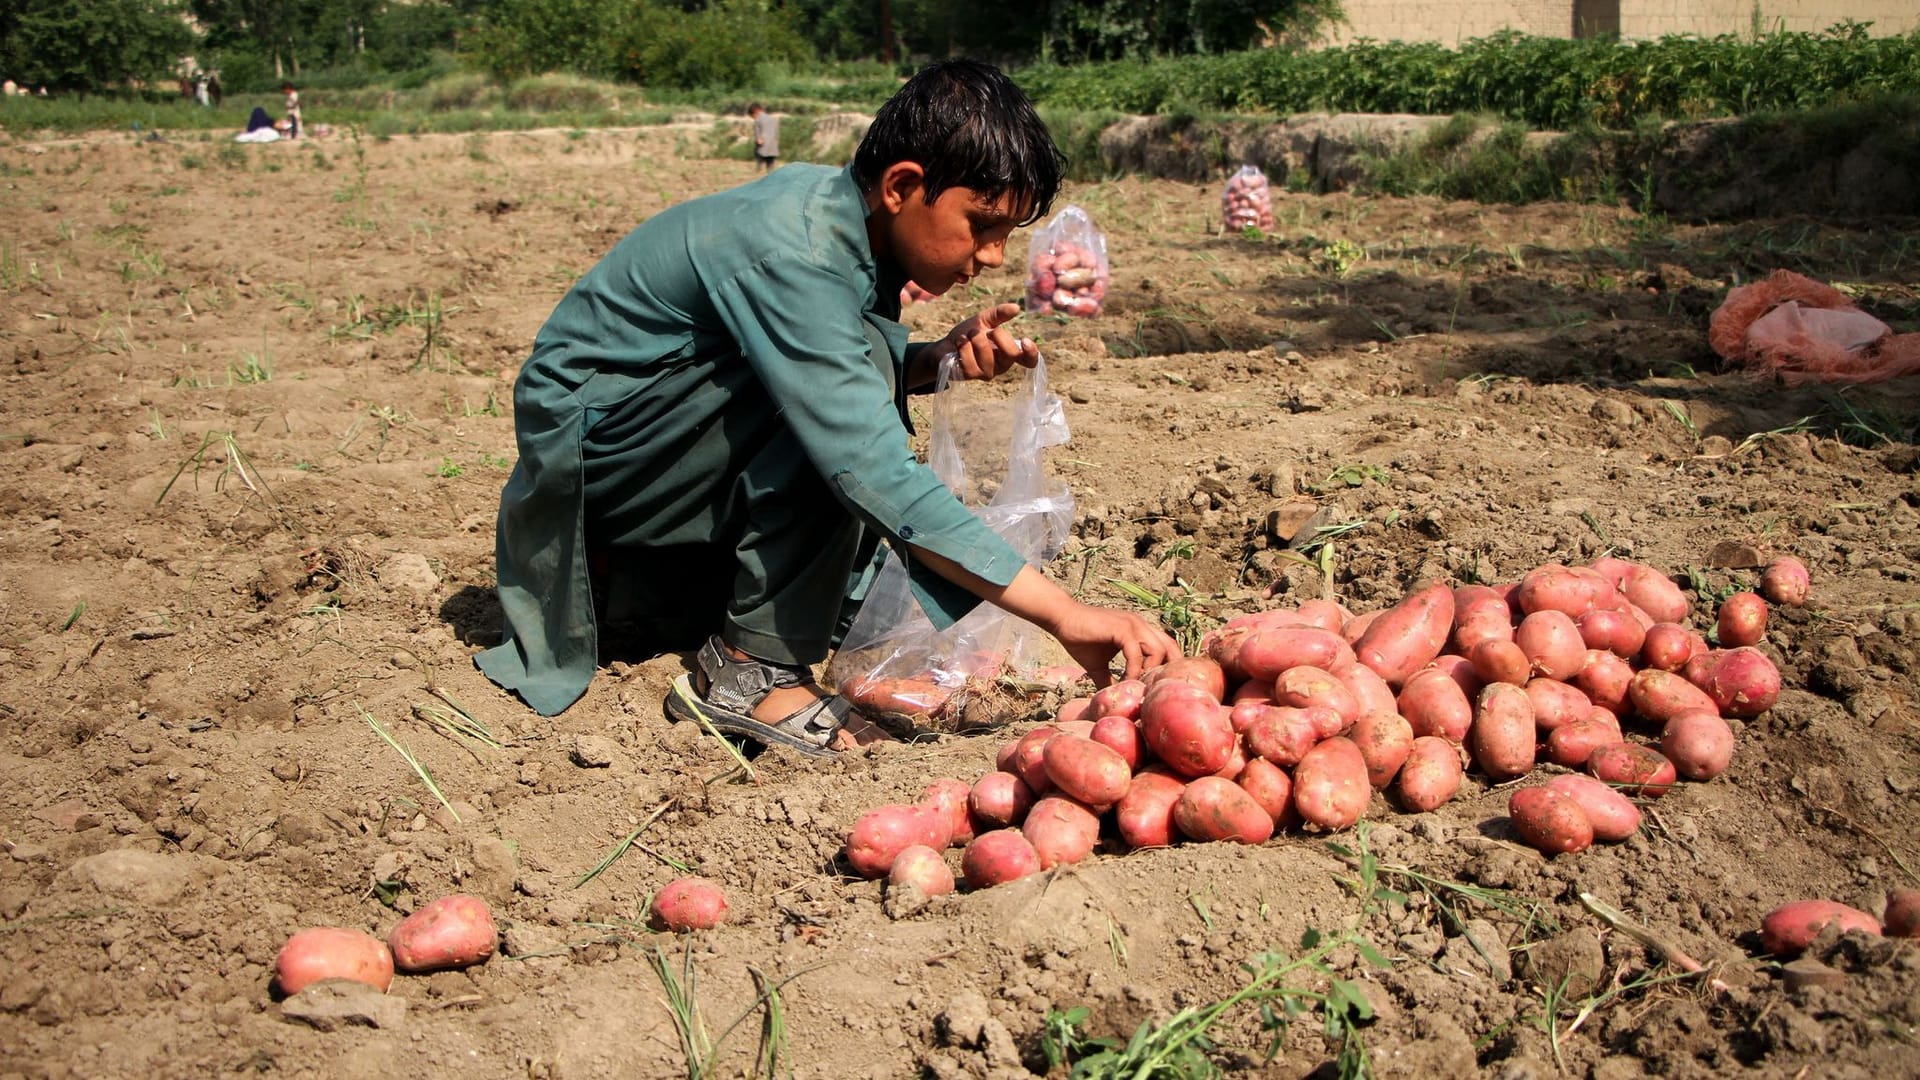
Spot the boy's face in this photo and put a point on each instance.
(950, 240)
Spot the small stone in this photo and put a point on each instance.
(905, 901)
(1614, 413)
(1489, 958)
(332, 1004)
(1807, 972)
(593, 751)
(1290, 519)
(286, 769)
(493, 869)
(1734, 555)
(145, 877)
(1079, 396)
(1572, 962)
(962, 1021)
(64, 814)
(410, 571)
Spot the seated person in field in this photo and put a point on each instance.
(713, 428)
(260, 128)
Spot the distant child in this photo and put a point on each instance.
(293, 110)
(714, 435)
(766, 137)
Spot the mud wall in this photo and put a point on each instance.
(1450, 23)
(1713, 170)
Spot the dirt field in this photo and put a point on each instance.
(256, 417)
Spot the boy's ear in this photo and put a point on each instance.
(900, 181)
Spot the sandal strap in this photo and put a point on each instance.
(741, 685)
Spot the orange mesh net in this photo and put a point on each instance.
(1801, 331)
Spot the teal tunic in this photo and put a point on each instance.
(717, 410)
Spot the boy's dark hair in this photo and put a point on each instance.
(967, 125)
(752, 108)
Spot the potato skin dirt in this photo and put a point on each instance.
(1493, 388)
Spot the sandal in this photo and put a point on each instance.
(734, 687)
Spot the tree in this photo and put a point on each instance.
(90, 45)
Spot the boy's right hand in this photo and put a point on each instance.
(1093, 635)
(985, 348)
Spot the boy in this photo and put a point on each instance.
(713, 426)
(766, 137)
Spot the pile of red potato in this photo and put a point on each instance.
(1296, 717)
(1067, 277)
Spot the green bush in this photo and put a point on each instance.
(722, 46)
(561, 93)
(1543, 82)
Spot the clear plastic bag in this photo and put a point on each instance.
(991, 452)
(1247, 202)
(1067, 268)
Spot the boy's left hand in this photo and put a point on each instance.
(984, 346)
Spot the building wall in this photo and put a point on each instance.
(1450, 22)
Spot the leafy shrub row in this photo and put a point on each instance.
(1546, 83)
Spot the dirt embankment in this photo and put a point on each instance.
(1714, 170)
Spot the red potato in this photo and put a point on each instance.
(1571, 591)
(1785, 581)
(332, 952)
(1369, 689)
(1280, 735)
(1216, 809)
(1550, 821)
(1078, 728)
(1616, 631)
(1330, 786)
(691, 903)
(1503, 735)
(1555, 704)
(1267, 653)
(1552, 644)
(1087, 771)
(1667, 646)
(1656, 594)
(1061, 831)
(880, 835)
(1253, 690)
(997, 857)
(453, 931)
(923, 868)
(1029, 761)
(1236, 761)
(998, 800)
(1604, 679)
(1187, 729)
(1197, 671)
(1074, 709)
(1573, 744)
(1431, 775)
(1385, 740)
(1743, 620)
(1903, 913)
(1356, 627)
(1500, 662)
(1119, 699)
(1660, 696)
(1788, 929)
(1325, 614)
(1145, 813)
(1742, 682)
(1479, 614)
(1699, 744)
(1270, 787)
(1122, 736)
(950, 797)
(1223, 645)
(1460, 670)
(1407, 636)
(1635, 770)
(1434, 704)
(1612, 815)
(1312, 687)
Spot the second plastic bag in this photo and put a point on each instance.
(991, 452)
(1067, 269)
(1247, 202)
